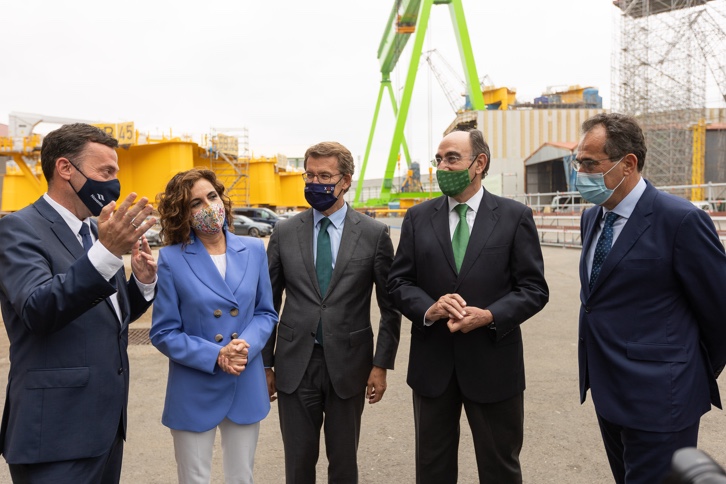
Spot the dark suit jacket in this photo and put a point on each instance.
(502, 271)
(364, 258)
(652, 330)
(68, 383)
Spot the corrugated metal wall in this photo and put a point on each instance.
(515, 135)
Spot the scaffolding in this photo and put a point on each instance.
(660, 77)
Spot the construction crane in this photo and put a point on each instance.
(449, 92)
(711, 40)
(405, 15)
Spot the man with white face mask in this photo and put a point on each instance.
(652, 330)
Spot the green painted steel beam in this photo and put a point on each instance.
(423, 22)
(393, 41)
(463, 40)
(385, 86)
(416, 14)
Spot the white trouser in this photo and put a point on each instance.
(193, 452)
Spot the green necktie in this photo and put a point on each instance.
(461, 235)
(323, 266)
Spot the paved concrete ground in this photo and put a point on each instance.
(561, 442)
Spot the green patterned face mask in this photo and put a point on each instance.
(453, 182)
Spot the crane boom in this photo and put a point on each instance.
(711, 39)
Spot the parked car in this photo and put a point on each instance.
(246, 226)
(153, 236)
(287, 215)
(258, 214)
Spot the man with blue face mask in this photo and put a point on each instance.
(67, 304)
(320, 359)
(652, 329)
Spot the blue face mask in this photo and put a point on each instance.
(321, 196)
(97, 194)
(592, 186)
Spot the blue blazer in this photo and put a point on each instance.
(196, 313)
(69, 371)
(653, 328)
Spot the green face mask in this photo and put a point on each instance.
(453, 182)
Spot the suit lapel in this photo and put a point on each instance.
(305, 242)
(60, 228)
(70, 242)
(484, 223)
(440, 226)
(348, 243)
(236, 266)
(638, 223)
(200, 263)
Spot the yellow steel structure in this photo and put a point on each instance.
(698, 166)
(503, 95)
(147, 164)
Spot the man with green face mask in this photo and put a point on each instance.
(468, 271)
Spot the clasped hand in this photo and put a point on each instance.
(232, 358)
(459, 316)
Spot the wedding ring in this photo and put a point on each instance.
(135, 226)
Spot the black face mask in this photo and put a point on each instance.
(97, 194)
(321, 196)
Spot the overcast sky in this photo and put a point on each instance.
(293, 72)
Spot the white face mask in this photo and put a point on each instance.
(592, 186)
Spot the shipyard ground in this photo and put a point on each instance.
(561, 438)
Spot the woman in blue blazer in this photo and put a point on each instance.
(212, 316)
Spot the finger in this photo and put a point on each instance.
(145, 247)
(453, 311)
(138, 208)
(453, 325)
(106, 212)
(123, 208)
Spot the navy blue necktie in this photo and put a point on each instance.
(86, 236)
(323, 267)
(604, 243)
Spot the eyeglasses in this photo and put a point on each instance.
(449, 159)
(587, 164)
(322, 177)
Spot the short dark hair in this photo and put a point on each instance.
(173, 204)
(69, 141)
(479, 146)
(624, 136)
(346, 165)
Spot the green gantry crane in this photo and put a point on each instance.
(411, 17)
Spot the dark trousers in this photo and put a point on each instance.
(302, 414)
(640, 457)
(497, 430)
(104, 469)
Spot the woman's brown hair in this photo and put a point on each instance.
(173, 204)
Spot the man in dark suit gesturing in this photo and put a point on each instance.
(66, 305)
(326, 260)
(468, 271)
(652, 327)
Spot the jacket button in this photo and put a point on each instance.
(234, 335)
(234, 312)
(312, 333)
(324, 306)
(587, 309)
(218, 338)
(217, 313)
(120, 370)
